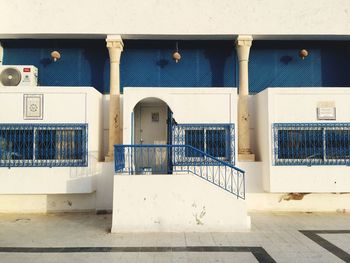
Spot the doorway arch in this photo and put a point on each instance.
(152, 122)
(152, 125)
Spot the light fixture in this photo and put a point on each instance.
(303, 53)
(55, 55)
(176, 54)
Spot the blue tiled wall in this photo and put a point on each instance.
(203, 63)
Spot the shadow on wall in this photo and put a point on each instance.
(335, 66)
(80, 188)
(71, 202)
(82, 63)
(143, 63)
(146, 63)
(277, 64)
(99, 67)
(97, 181)
(218, 58)
(202, 64)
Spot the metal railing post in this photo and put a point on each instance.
(156, 158)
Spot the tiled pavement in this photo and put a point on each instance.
(274, 237)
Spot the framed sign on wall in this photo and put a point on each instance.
(326, 110)
(33, 106)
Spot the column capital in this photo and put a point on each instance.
(244, 40)
(243, 44)
(115, 46)
(115, 38)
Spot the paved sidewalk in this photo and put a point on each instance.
(85, 237)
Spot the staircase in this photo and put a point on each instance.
(179, 159)
(155, 192)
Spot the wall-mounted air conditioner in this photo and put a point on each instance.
(18, 76)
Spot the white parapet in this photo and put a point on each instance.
(175, 203)
(60, 105)
(297, 106)
(154, 18)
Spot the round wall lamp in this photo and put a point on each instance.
(176, 54)
(55, 55)
(303, 53)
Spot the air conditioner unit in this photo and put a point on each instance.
(18, 76)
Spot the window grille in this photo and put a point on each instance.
(216, 140)
(46, 145)
(311, 143)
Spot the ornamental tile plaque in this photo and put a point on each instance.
(33, 106)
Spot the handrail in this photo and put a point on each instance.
(161, 159)
(178, 145)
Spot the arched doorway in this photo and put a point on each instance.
(152, 122)
(152, 126)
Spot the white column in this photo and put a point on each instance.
(243, 44)
(115, 48)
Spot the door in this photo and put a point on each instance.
(153, 131)
(153, 128)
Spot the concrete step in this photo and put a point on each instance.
(175, 203)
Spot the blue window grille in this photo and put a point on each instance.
(195, 138)
(216, 140)
(311, 143)
(43, 145)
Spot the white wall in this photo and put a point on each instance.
(316, 202)
(105, 124)
(299, 105)
(28, 201)
(47, 203)
(253, 176)
(61, 105)
(189, 105)
(102, 199)
(173, 203)
(22, 188)
(104, 187)
(137, 18)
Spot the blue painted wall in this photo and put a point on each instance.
(82, 63)
(143, 63)
(277, 64)
(203, 63)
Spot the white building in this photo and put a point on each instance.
(252, 97)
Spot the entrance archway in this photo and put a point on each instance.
(152, 122)
(152, 126)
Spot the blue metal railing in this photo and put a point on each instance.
(214, 139)
(311, 143)
(43, 145)
(167, 159)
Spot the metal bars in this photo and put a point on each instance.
(214, 139)
(43, 145)
(311, 143)
(154, 159)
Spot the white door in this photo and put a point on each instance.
(153, 131)
(153, 127)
